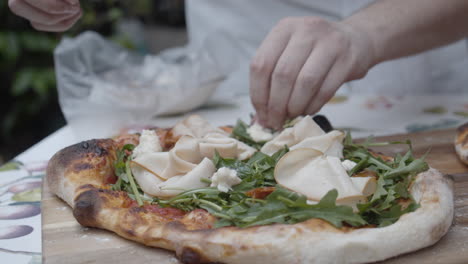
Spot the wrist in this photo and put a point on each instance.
(369, 40)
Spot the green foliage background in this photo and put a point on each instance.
(29, 108)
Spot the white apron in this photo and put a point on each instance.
(442, 70)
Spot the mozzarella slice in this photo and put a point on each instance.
(306, 127)
(312, 174)
(226, 146)
(154, 186)
(195, 126)
(147, 181)
(365, 185)
(183, 157)
(154, 163)
(329, 143)
(307, 134)
(180, 167)
(181, 183)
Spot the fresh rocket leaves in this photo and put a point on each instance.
(284, 206)
(394, 179)
(281, 206)
(119, 165)
(254, 172)
(125, 180)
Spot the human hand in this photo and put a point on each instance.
(300, 65)
(48, 15)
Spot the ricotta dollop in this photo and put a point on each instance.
(348, 164)
(224, 179)
(259, 133)
(149, 143)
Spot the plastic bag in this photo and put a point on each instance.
(103, 87)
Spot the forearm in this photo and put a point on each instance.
(399, 28)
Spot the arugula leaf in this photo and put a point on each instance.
(394, 213)
(394, 179)
(132, 183)
(125, 181)
(288, 207)
(414, 167)
(254, 172)
(120, 167)
(380, 190)
(240, 132)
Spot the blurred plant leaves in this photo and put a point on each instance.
(40, 81)
(37, 42)
(9, 47)
(29, 106)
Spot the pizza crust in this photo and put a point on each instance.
(78, 174)
(461, 143)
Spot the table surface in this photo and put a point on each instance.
(363, 115)
(64, 238)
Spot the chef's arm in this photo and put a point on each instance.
(399, 28)
(304, 60)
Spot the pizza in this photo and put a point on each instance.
(245, 194)
(461, 143)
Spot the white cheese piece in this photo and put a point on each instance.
(244, 151)
(224, 179)
(313, 174)
(145, 178)
(154, 163)
(348, 164)
(149, 143)
(226, 146)
(295, 121)
(366, 185)
(191, 180)
(293, 135)
(178, 167)
(329, 144)
(195, 126)
(258, 133)
(307, 134)
(310, 202)
(154, 186)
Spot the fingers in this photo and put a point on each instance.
(310, 79)
(47, 15)
(54, 6)
(262, 67)
(59, 27)
(284, 77)
(334, 79)
(301, 64)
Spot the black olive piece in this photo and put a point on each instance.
(323, 122)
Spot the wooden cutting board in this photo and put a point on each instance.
(65, 241)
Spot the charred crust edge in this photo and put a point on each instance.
(95, 147)
(72, 157)
(87, 207)
(192, 256)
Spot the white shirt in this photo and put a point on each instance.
(243, 24)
